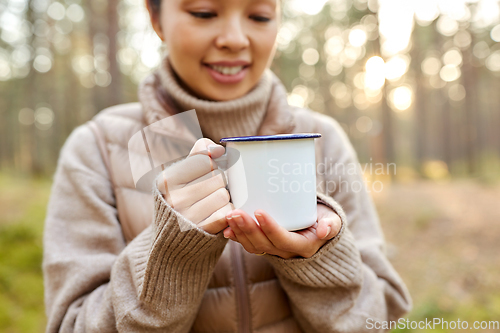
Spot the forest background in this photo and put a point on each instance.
(412, 82)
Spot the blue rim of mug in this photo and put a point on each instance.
(271, 137)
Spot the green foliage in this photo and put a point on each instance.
(23, 204)
(485, 309)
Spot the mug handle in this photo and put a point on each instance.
(231, 165)
(222, 162)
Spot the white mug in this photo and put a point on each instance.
(275, 173)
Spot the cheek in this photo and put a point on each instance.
(186, 42)
(182, 39)
(264, 45)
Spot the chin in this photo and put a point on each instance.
(225, 94)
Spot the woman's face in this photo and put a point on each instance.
(219, 48)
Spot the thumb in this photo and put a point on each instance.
(328, 227)
(207, 147)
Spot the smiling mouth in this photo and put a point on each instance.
(227, 70)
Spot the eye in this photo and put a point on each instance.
(258, 18)
(203, 15)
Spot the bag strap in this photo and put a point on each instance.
(101, 144)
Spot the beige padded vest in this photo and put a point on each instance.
(244, 294)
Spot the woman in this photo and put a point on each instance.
(118, 259)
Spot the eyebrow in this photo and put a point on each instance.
(273, 2)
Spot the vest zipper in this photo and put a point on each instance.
(242, 298)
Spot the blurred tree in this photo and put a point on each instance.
(411, 82)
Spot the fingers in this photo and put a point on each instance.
(187, 170)
(201, 145)
(217, 221)
(197, 164)
(243, 229)
(196, 190)
(240, 236)
(246, 228)
(278, 235)
(207, 147)
(207, 206)
(229, 233)
(329, 223)
(206, 176)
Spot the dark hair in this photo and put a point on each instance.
(154, 6)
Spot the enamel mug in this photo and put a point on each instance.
(275, 173)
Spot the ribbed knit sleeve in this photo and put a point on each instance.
(336, 263)
(178, 264)
(94, 282)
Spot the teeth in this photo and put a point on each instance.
(227, 70)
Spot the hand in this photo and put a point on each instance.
(196, 188)
(272, 238)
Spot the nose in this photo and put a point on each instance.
(232, 35)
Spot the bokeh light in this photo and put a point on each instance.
(493, 62)
(359, 99)
(426, 11)
(435, 169)
(447, 26)
(449, 73)
(401, 98)
(495, 33)
(481, 50)
(462, 39)
(42, 63)
(5, 71)
(309, 7)
(396, 67)
(310, 56)
(334, 67)
(75, 13)
(375, 73)
(334, 45)
(56, 11)
(431, 66)
(357, 37)
(395, 26)
(341, 94)
(300, 96)
(457, 92)
(26, 116)
(364, 124)
(452, 57)
(44, 118)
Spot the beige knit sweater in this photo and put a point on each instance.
(95, 282)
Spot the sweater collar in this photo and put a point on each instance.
(262, 111)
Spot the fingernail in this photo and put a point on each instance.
(328, 229)
(237, 219)
(211, 148)
(225, 235)
(258, 217)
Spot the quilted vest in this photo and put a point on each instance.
(244, 294)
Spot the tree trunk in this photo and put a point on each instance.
(115, 89)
